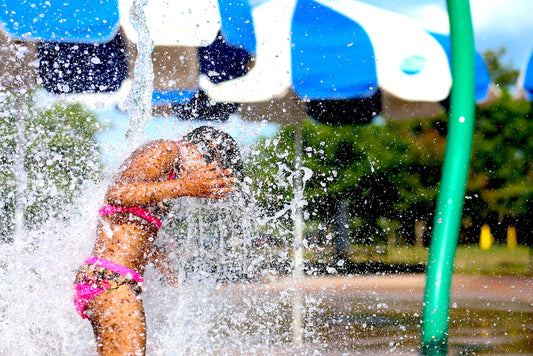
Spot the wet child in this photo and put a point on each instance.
(206, 163)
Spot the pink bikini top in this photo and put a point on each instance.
(135, 210)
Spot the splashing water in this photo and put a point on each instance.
(213, 245)
(139, 101)
(36, 273)
(215, 250)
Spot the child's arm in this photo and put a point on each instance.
(206, 182)
(143, 181)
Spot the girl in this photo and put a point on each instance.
(206, 163)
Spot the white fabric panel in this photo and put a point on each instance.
(271, 74)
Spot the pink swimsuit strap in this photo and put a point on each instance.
(115, 267)
(140, 212)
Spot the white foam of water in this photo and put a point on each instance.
(37, 316)
(36, 277)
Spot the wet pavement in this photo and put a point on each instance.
(380, 315)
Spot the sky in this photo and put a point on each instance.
(497, 23)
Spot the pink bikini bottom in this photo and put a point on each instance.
(97, 276)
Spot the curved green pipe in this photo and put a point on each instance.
(435, 317)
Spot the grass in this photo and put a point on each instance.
(469, 259)
(497, 261)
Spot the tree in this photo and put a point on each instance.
(380, 170)
(59, 153)
(503, 75)
(500, 187)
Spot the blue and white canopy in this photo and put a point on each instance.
(179, 23)
(319, 49)
(343, 49)
(524, 84)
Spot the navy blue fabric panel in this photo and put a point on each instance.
(81, 67)
(346, 111)
(221, 61)
(201, 107)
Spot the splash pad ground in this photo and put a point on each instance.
(380, 314)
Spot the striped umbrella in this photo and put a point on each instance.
(323, 55)
(90, 46)
(343, 51)
(524, 85)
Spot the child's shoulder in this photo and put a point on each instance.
(156, 147)
(152, 154)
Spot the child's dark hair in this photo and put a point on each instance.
(218, 146)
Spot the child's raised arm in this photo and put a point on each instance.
(144, 178)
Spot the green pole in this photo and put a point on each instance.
(435, 317)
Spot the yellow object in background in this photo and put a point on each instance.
(511, 237)
(485, 238)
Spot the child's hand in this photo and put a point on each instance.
(207, 182)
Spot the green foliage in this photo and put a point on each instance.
(503, 75)
(392, 171)
(502, 162)
(388, 171)
(59, 153)
(497, 261)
